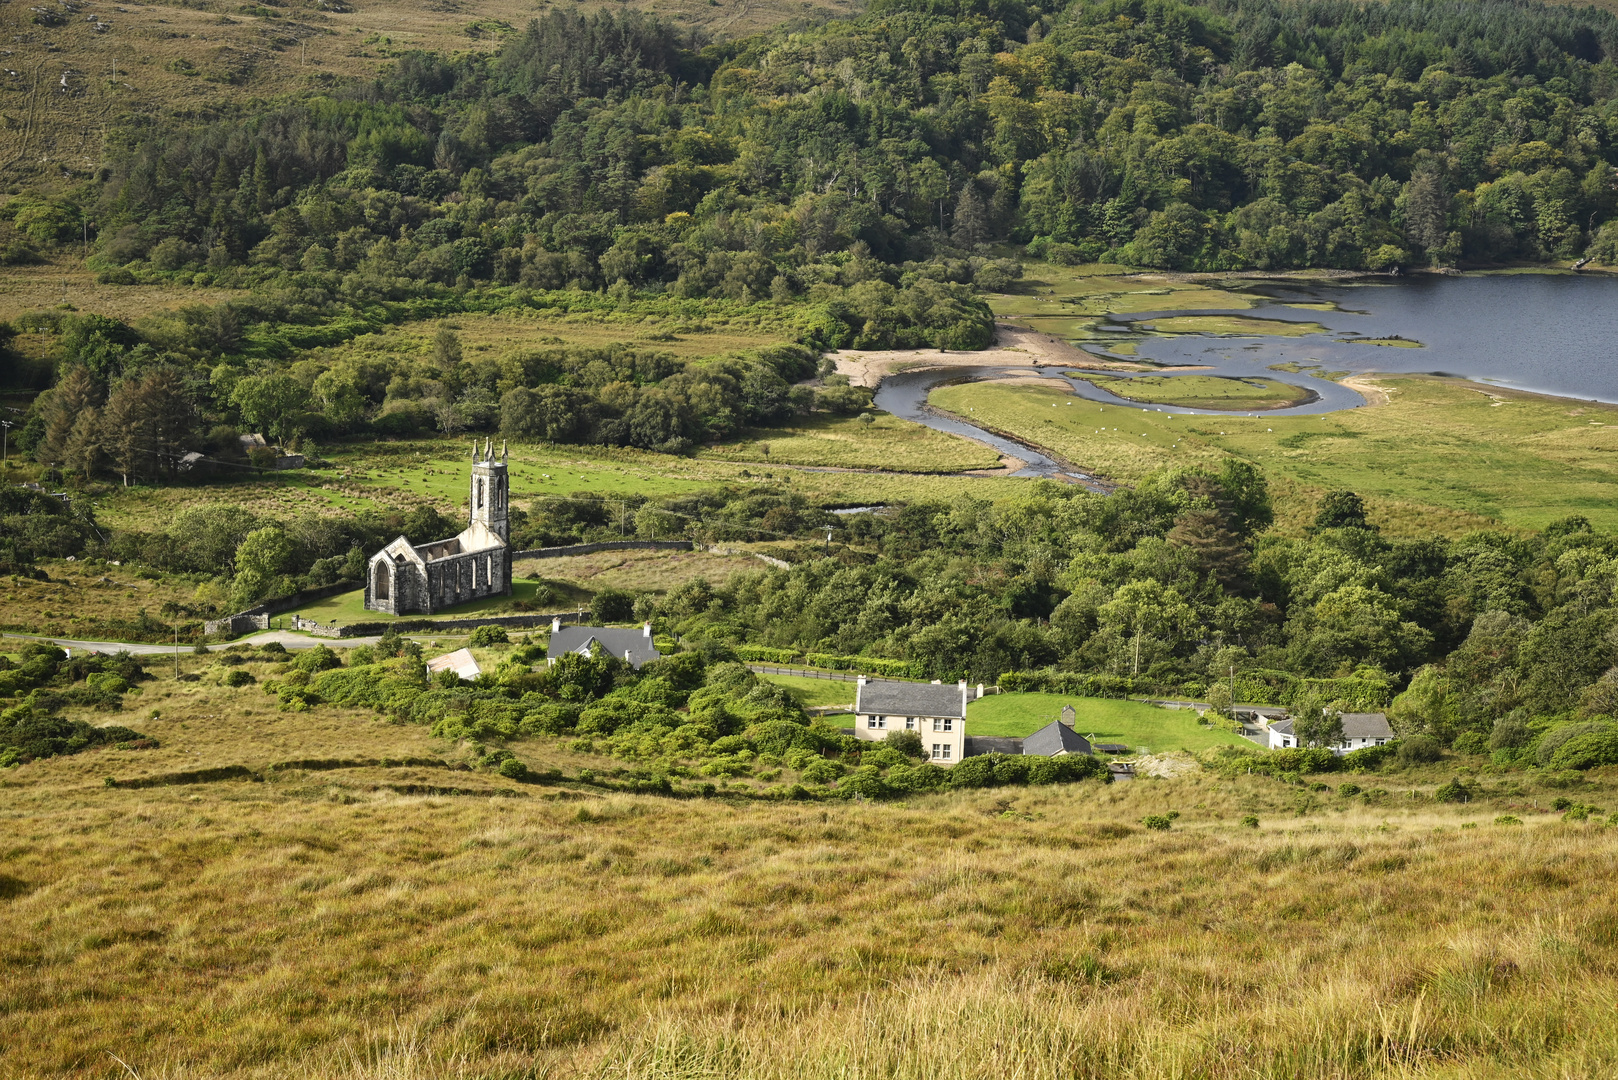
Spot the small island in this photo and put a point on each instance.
(1204, 391)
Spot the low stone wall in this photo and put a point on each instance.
(421, 626)
(606, 545)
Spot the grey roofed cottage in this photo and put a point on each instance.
(1055, 739)
(633, 644)
(1359, 731)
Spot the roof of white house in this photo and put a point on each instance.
(886, 697)
(1055, 738)
(1283, 727)
(636, 641)
(1366, 725)
(460, 661)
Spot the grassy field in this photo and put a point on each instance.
(887, 442)
(1442, 454)
(92, 602)
(636, 571)
(1202, 391)
(819, 692)
(1239, 325)
(349, 607)
(1145, 728)
(361, 917)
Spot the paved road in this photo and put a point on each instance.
(285, 637)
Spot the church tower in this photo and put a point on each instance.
(491, 492)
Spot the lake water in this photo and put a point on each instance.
(1549, 333)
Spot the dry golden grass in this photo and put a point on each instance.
(65, 279)
(83, 602)
(637, 571)
(322, 924)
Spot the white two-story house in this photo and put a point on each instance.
(936, 712)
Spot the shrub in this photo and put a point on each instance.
(1507, 819)
(1249, 821)
(759, 654)
(822, 771)
(1160, 822)
(1554, 739)
(1348, 791)
(1588, 750)
(907, 743)
(613, 605)
(1471, 742)
(512, 769)
(1419, 750)
(883, 757)
(484, 636)
(1454, 791)
(238, 677)
(319, 658)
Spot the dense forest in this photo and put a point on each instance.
(849, 185)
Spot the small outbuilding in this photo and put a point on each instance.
(460, 661)
(1054, 740)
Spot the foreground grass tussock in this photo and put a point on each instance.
(256, 930)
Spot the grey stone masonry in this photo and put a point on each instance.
(419, 579)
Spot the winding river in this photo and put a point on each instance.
(1553, 333)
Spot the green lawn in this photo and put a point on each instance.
(887, 442)
(1108, 719)
(813, 692)
(349, 607)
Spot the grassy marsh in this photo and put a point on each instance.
(887, 443)
(1203, 391)
(1446, 454)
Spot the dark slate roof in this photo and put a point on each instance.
(882, 697)
(991, 744)
(1366, 725)
(614, 640)
(1282, 726)
(1055, 738)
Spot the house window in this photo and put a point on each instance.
(870, 721)
(910, 723)
(949, 724)
(876, 721)
(938, 751)
(1286, 742)
(946, 751)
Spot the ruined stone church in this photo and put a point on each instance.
(419, 579)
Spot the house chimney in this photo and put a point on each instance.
(860, 681)
(628, 659)
(647, 627)
(556, 623)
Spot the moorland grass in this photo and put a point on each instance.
(1202, 391)
(634, 571)
(886, 442)
(1470, 454)
(325, 922)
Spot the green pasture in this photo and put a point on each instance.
(349, 607)
(1241, 325)
(886, 442)
(1202, 391)
(811, 693)
(1442, 454)
(1133, 723)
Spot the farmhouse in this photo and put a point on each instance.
(934, 711)
(633, 645)
(407, 579)
(1359, 731)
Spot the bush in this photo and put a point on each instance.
(1419, 750)
(612, 605)
(1250, 821)
(1454, 791)
(238, 677)
(320, 658)
(484, 636)
(1588, 750)
(1160, 822)
(759, 654)
(512, 769)
(1471, 742)
(907, 743)
(1348, 791)
(1507, 819)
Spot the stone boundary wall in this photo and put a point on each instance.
(417, 626)
(605, 545)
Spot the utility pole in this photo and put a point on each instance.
(5, 443)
